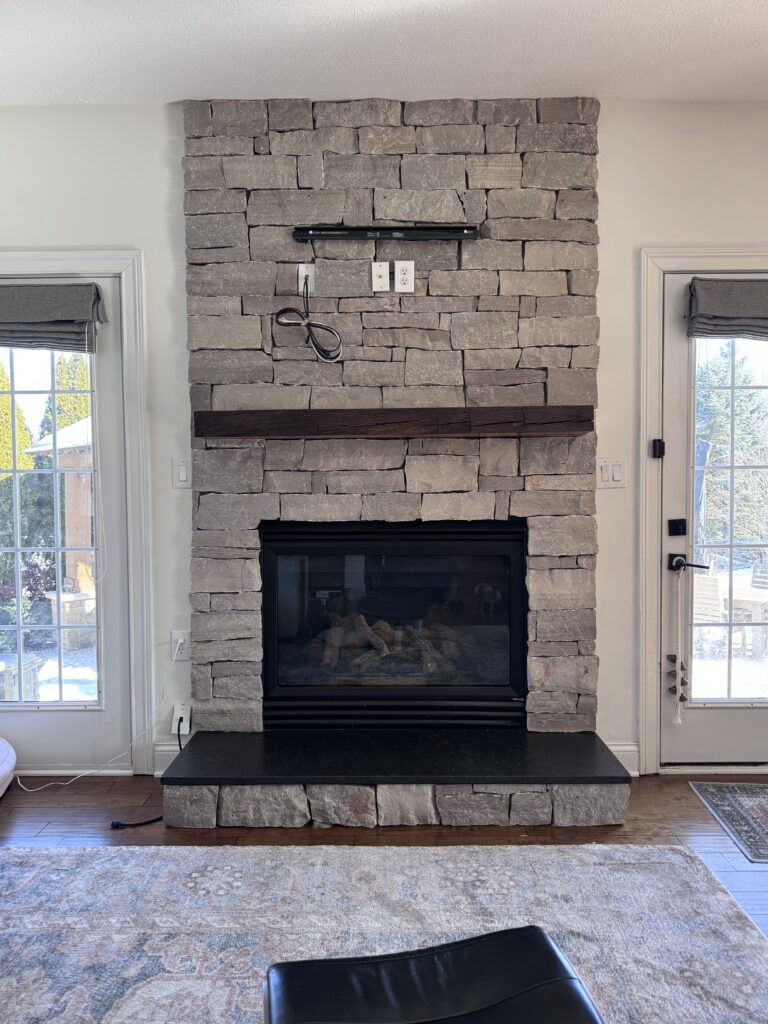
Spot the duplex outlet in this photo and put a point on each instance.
(405, 274)
(305, 270)
(181, 712)
(180, 645)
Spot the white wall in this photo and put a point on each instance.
(101, 177)
(670, 175)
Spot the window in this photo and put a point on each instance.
(49, 606)
(730, 515)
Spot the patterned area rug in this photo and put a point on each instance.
(742, 810)
(184, 935)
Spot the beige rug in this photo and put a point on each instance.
(183, 935)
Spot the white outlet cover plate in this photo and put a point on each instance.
(183, 711)
(305, 270)
(405, 273)
(380, 277)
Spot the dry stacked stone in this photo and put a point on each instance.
(506, 319)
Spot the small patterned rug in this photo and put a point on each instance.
(164, 935)
(742, 810)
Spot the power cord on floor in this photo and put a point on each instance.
(149, 821)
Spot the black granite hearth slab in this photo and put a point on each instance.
(372, 756)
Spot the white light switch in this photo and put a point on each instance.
(182, 472)
(612, 472)
(405, 273)
(380, 277)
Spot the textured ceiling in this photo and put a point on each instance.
(157, 51)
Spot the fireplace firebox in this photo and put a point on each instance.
(394, 624)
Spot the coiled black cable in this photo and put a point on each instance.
(292, 317)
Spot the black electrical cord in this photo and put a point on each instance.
(292, 317)
(149, 821)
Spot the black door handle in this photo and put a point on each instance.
(677, 562)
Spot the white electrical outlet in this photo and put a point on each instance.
(305, 270)
(179, 645)
(405, 272)
(183, 712)
(612, 472)
(380, 277)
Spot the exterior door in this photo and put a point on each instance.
(715, 487)
(64, 687)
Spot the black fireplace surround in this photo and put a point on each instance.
(394, 624)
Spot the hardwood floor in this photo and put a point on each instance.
(662, 810)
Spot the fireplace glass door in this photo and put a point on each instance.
(430, 613)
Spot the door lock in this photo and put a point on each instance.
(676, 563)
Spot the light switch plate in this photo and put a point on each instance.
(305, 270)
(612, 472)
(181, 472)
(405, 273)
(380, 277)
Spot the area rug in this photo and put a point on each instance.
(184, 935)
(742, 810)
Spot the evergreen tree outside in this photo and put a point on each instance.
(72, 374)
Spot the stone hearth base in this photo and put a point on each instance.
(292, 806)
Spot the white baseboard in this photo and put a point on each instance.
(714, 769)
(629, 755)
(164, 753)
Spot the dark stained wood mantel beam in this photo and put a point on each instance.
(489, 421)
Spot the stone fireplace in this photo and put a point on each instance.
(506, 321)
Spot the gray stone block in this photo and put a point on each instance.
(207, 366)
(587, 356)
(518, 202)
(491, 359)
(548, 702)
(235, 602)
(374, 374)
(499, 456)
(407, 337)
(238, 687)
(287, 481)
(365, 481)
(576, 204)
(260, 396)
(551, 503)
(220, 145)
(433, 171)
(577, 624)
(391, 508)
(233, 512)
(451, 138)
(287, 114)
(278, 806)
(572, 109)
(580, 482)
(361, 171)
(500, 138)
(200, 679)
(216, 229)
(475, 207)
(232, 279)
(203, 172)
(437, 255)
(494, 171)
(590, 805)
(311, 170)
(463, 282)
(255, 172)
(532, 283)
(437, 303)
(567, 722)
(307, 372)
(376, 140)
(323, 140)
(295, 206)
(224, 575)
(518, 394)
(242, 649)
(483, 330)
(441, 205)
(535, 228)
(226, 543)
(458, 506)
(557, 137)
(506, 111)
(438, 473)
(425, 321)
(470, 808)
(343, 805)
(428, 112)
(353, 453)
(566, 305)
(269, 242)
(443, 446)
(562, 535)
(486, 254)
(287, 454)
(237, 470)
(223, 625)
(530, 808)
(562, 330)
(346, 398)
(558, 455)
(553, 589)
(358, 206)
(239, 117)
(342, 277)
(406, 805)
(582, 282)
(216, 200)
(228, 254)
(226, 715)
(215, 306)
(321, 508)
(197, 118)
(572, 387)
(573, 675)
(432, 368)
(224, 332)
(559, 170)
(190, 806)
(357, 113)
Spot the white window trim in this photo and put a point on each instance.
(128, 266)
(655, 264)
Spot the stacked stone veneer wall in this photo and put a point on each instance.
(508, 319)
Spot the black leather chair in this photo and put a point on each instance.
(517, 976)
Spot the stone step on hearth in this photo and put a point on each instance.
(369, 777)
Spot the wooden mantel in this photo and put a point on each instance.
(487, 421)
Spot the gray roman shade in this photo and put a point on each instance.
(727, 307)
(55, 316)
